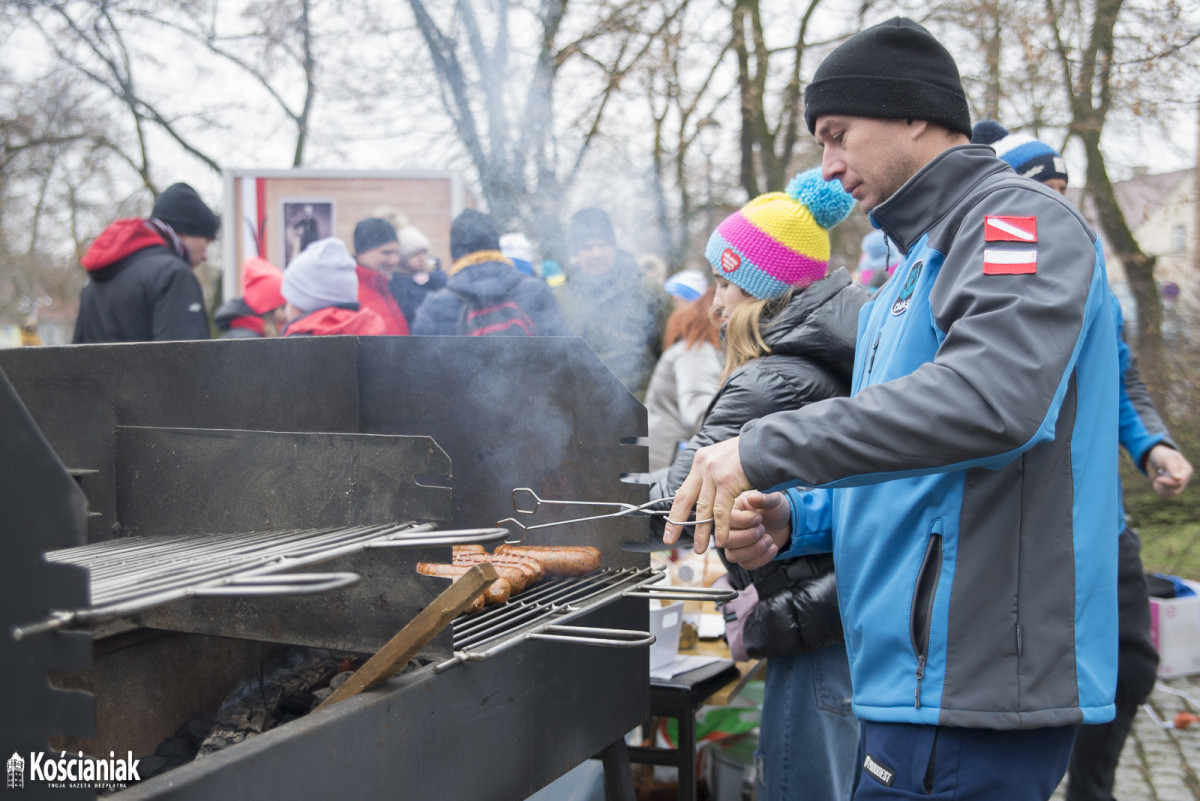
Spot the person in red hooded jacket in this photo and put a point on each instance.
(141, 287)
(377, 250)
(261, 303)
(321, 290)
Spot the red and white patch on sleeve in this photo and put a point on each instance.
(1009, 229)
(1010, 261)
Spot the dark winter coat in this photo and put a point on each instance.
(812, 358)
(410, 295)
(140, 288)
(488, 283)
(620, 315)
(236, 320)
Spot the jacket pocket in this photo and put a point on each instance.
(920, 618)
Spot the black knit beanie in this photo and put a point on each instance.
(371, 233)
(588, 224)
(471, 232)
(180, 207)
(895, 70)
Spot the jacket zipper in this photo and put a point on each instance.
(874, 351)
(921, 616)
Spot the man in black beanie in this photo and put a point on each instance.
(609, 302)
(377, 251)
(967, 487)
(141, 287)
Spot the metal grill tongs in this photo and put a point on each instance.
(531, 499)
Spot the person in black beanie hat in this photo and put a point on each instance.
(180, 207)
(141, 285)
(967, 489)
(472, 232)
(895, 70)
(485, 295)
(608, 301)
(377, 253)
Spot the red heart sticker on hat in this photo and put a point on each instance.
(730, 261)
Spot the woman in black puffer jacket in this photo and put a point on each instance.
(790, 338)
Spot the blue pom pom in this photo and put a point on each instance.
(987, 132)
(827, 201)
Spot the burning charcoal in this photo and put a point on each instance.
(281, 692)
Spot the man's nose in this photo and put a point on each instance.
(832, 167)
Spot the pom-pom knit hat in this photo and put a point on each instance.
(412, 241)
(780, 240)
(1030, 157)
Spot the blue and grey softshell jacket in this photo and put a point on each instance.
(973, 471)
(1140, 426)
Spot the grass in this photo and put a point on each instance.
(1171, 548)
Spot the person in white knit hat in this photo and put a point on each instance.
(419, 274)
(321, 290)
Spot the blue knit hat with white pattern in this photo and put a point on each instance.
(1030, 157)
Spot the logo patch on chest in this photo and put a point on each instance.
(906, 292)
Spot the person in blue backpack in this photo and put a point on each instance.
(485, 294)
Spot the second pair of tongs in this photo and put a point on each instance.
(527, 502)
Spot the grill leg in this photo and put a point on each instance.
(618, 777)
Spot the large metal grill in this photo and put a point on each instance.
(124, 450)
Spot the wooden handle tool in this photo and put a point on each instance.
(417, 634)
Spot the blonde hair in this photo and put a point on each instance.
(743, 334)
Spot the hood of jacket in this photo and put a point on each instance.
(119, 240)
(334, 320)
(236, 313)
(821, 323)
(489, 279)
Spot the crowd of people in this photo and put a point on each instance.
(911, 476)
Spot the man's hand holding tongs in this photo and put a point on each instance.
(714, 483)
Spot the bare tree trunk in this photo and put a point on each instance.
(1090, 90)
(1139, 269)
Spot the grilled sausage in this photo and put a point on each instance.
(566, 560)
(497, 592)
(518, 578)
(530, 568)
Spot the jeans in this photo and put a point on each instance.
(1098, 748)
(808, 737)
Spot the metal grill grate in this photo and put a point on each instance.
(134, 574)
(541, 613)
